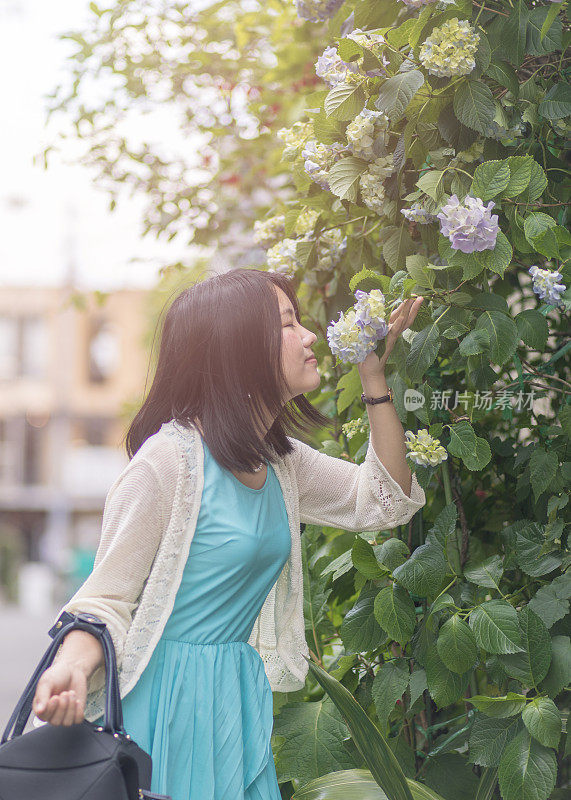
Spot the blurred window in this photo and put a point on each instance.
(22, 347)
(103, 351)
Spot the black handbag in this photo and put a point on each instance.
(69, 762)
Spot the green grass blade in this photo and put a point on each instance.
(487, 784)
(371, 744)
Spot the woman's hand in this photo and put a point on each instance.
(61, 694)
(402, 318)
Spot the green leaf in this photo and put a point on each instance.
(392, 553)
(520, 173)
(394, 611)
(456, 645)
(489, 736)
(452, 775)
(350, 388)
(417, 685)
(551, 602)
(487, 784)
(542, 719)
(397, 247)
(527, 540)
(504, 74)
(473, 450)
(424, 571)
(559, 675)
(355, 784)
(530, 666)
(389, 685)
(506, 706)
(360, 632)
(503, 334)
(536, 46)
(536, 223)
(475, 342)
(532, 328)
(344, 177)
(396, 93)
(313, 734)
(515, 33)
(488, 573)
(345, 101)
(495, 626)
(423, 350)
(490, 178)
(442, 601)
(445, 686)
(473, 104)
(363, 557)
(371, 744)
(431, 183)
(536, 185)
(548, 21)
(528, 770)
(365, 274)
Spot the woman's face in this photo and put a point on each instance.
(301, 374)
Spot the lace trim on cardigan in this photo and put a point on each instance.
(157, 599)
(397, 506)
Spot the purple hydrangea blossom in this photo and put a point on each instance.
(370, 313)
(331, 67)
(470, 225)
(347, 341)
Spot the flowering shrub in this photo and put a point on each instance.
(437, 148)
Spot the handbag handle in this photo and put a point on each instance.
(113, 719)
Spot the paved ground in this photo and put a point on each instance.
(24, 641)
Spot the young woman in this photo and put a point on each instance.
(198, 570)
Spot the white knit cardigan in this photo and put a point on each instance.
(148, 524)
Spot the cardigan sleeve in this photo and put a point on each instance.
(353, 497)
(135, 517)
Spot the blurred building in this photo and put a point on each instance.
(66, 376)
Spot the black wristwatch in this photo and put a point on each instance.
(374, 400)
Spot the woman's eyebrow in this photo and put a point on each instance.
(287, 311)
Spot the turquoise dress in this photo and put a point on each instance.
(203, 706)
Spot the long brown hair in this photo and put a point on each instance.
(221, 340)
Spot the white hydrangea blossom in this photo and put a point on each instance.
(331, 67)
(363, 131)
(319, 158)
(268, 231)
(417, 213)
(294, 138)
(281, 257)
(371, 183)
(424, 449)
(449, 50)
(355, 426)
(375, 43)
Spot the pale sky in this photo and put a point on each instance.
(46, 216)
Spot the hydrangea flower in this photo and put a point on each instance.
(305, 222)
(370, 313)
(331, 246)
(449, 50)
(331, 67)
(375, 43)
(317, 10)
(347, 340)
(319, 158)
(268, 231)
(546, 284)
(355, 426)
(281, 257)
(424, 449)
(362, 132)
(416, 213)
(294, 138)
(469, 225)
(371, 182)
